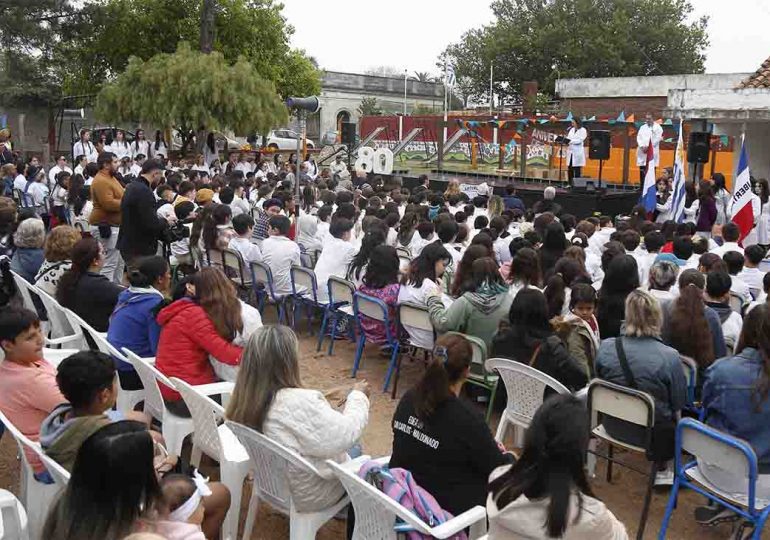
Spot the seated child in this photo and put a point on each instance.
(244, 226)
(28, 390)
(183, 510)
(87, 380)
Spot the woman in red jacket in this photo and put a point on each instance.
(201, 324)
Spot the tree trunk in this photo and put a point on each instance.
(208, 25)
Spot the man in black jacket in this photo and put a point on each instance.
(141, 227)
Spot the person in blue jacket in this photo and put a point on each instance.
(132, 323)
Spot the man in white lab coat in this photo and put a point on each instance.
(649, 133)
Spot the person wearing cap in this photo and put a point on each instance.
(204, 197)
(61, 165)
(272, 207)
(141, 227)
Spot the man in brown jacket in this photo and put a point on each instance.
(106, 194)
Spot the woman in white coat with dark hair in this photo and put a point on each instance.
(140, 145)
(576, 152)
(119, 146)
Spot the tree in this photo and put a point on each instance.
(187, 89)
(255, 29)
(369, 107)
(424, 76)
(546, 39)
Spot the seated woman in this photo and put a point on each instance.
(478, 311)
(92, 508)
(216, 233)
(735, 397)
(189, 334)
(455, 451)
(546, 493)
(84, 290)
(58, 257)
(524, 271)
(529, 338)
(28, 256)
(423, 278)
(133, 324)
(655, 369)
(381, 281)
(269, 397)
(462, 277)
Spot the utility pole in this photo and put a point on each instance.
(208, 25)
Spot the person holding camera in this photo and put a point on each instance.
(141, 227)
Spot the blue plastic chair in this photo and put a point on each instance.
(262, 275)
(340, 307)
(304, 289)
(690, 368)
(374, 308)
(734, 455)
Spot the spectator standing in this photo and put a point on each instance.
(105, 218)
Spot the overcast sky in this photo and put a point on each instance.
(353, 35)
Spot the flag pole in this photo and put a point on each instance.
(446, 113)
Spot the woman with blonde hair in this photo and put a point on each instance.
(58, 257)
(453, 188)
(495, 206)
(269, 397)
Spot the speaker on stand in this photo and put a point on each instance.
(698, 150)
(599, 148)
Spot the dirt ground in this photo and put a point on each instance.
(624, 496)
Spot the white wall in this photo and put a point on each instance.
(612, 87)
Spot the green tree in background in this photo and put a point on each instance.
(187, 89)
(369, 107)
(544, 40)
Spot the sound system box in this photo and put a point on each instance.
(699, 147)
(599, 144)
(348, 134)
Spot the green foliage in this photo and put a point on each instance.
(546, 39)
(254, 29)
(187, 89)
(369, 107)
(422, 108)
(424, 76)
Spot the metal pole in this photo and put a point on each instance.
(297, 190)
(445, 101)
(490, 89)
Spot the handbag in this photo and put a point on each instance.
(663, 432)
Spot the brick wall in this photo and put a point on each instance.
(638, 106)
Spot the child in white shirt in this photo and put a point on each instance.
(244, 225)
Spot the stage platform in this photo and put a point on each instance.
(608, 200)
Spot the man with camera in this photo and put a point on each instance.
(141, 227)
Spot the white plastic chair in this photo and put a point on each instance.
(376, 513)
(272, 464)
(13, 518)
(217, 442)
(415, 316)
(60, 475)
(61, 329)
(23, 287)
(36, 496)
(525, 387)
(174, 428)
(127, 399)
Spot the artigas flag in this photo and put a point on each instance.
(677, 193)
(741, 207)
(648, 189)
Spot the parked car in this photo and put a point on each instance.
(285, 139)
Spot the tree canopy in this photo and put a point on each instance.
(544, 40)
(188, 89)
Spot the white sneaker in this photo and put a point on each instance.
(664, 478)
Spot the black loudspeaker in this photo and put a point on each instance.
(599, 145)
(699, 147)
(348, 133)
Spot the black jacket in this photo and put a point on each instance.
(553, 358)
(94, 299)
(140, 227)
(450, 455)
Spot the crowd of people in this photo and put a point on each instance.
(133, 243)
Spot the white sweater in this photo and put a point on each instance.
(305, 422)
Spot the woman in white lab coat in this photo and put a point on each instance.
(158, 148)
(576, 153)
(140, 145)
(761, 202)
(119, 146)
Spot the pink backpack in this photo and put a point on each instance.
(399, 485)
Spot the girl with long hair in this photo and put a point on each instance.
(691, 202)
(524, 271)
(372, 238)
(554, 244)
(462, 280)
(722, 197)
(567, 273)
(203, 322)
(707, 213)
(381, 281)
(621, 277)
(546, 493)
(527, 336)
(269, 397)
(422, 278)
(84, 290)
(407, 229)
(159, 148)
(119, 146)
(217, 232)
(140, 145)
(456, 452)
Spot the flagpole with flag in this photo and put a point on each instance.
(678, 193)
(648, 188)
(741, 207)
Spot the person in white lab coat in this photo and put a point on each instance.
(649, 133)
(140, 145)
(84, 147)
(119, 146)
(159, 148)
(576, 153)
